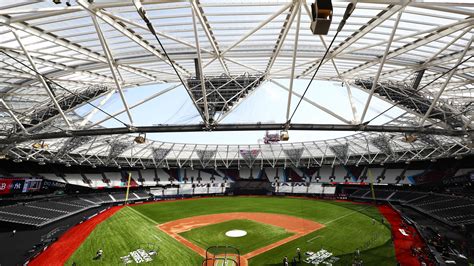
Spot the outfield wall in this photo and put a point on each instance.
(226, 188)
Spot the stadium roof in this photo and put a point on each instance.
(415, 56)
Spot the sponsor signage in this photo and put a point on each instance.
(19, 185)
(32, 185)
(53, 184)
(8, 186)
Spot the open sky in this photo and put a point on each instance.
(267, 104)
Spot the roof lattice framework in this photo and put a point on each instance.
(398, 51)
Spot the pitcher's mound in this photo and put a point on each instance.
(236, 233)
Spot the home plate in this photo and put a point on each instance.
(236, 233)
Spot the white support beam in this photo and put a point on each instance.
(281, 38)
(209, 35)
(261, 25)
(41, 79)
(448, 45)
(446, 82)
(372, 24)
(149, 98)
(295, 49)
(203, 82)
(111, 63)
(442, 32)
(10, 111)
(160, 33)
(127, 33)
(91, 114)
(382, 62)
(355, 119)
(320, 107)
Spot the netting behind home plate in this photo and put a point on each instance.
(222, 256)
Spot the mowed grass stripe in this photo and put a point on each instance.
(342, 237)
(351, 228)
(125, 232)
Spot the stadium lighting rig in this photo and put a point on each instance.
(140, 139)
(321, 14)
(322, 11)
(409, 138)
(40, 145)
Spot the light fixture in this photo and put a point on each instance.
(68, 165)
(40, 145)
(140, 139)
(409, 138)
(321, 16)
(42, 162)
(17, 160)
(93, 166)
(284, 136)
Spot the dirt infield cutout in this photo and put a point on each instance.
(298, 226)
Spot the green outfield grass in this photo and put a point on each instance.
(348, 227)
(258, 235)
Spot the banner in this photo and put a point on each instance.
(32, 185)
(9, 186)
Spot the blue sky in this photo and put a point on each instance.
(267, 104)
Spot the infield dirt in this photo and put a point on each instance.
(298, 226)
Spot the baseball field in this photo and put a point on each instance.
(274, 227)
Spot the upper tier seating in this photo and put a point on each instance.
(96, 179)
(454, 210)
(404, 196)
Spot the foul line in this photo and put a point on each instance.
(311, 240)
(143, 216)
(345, 215)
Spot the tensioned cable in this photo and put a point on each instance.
(62, 87)
(350, 8)
(418, 90)
(141, 11)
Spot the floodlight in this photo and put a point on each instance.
(40, 145)
(409, 138)
(284, 136)
(140, 139)
(321, 16)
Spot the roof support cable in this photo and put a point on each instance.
(62, 87)
(350, 8)
(141, 11)
(420, 89)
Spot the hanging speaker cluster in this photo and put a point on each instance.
(321, 13)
